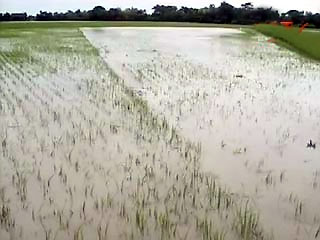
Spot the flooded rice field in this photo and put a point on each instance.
(252, 105)
(125, 133)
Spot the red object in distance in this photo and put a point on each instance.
(303, 27)
(287, 24)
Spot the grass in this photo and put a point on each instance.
(78, 24)
(306, 43)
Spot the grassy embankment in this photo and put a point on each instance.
(306, 43)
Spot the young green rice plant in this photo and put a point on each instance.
(21, 185)
(297, 203)
(4, 144)
(282, 176)
(317, 234)
(6, 220)
(246, 223)
(298, 209)
(219, 235)
(140, 220)
(103, 231)
(167, 227)
(269, 179)
(78, 234)
(208, 231)
(205, 226)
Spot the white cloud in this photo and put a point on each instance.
(34, 6)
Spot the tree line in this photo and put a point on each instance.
(225, 13)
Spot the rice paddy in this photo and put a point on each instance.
(120, 133)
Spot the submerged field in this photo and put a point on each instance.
(156, 134)
(252, 105)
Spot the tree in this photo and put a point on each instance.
(186, 14)
(295, 16)
(225, 13)
(98, 13)
(247, 6)
(164, 13)
(44, 16)
(114, 14)
(316, 20)
(134, 14)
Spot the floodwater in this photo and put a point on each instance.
(82, 156)
(252, 105)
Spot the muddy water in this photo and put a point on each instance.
(76, 156)
(252, 105)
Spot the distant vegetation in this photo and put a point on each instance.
(224, 14)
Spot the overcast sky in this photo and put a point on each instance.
(34, 6)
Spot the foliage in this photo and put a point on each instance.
(225, 13)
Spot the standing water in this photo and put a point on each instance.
(252, 105)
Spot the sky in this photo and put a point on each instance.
(34, 6)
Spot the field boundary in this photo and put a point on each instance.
(304, 44)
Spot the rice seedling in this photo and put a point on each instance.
(247, 223)
(317, 233)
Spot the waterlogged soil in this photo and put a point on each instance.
(86, 155)
(252, 106)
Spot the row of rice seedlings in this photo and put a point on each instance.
(21, 183)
